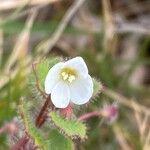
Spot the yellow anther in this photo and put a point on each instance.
(68, 74)
(71, 78)
(63, 74)
(65, 77)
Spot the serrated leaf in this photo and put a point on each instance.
(71, 128)
(59, 142)
(97, 87)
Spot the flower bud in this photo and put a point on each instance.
(66, 112)
(110, 112)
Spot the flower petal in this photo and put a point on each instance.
(78, 64)
(52, 77)
(60, 95)
(81, 91)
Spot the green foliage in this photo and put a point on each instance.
(119, 71)
(71, 128)
(54, 141)
(43, 67)
(9, 96)
(30, 128)
(59, 142)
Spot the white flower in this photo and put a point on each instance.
(69, 81)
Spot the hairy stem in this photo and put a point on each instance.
(89, 115)
(21, 143)
(43, 113)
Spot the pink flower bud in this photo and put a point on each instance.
(66, 112)
(110, 112)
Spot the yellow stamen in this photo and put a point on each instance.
(68, 74)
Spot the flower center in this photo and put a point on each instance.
(68, 74)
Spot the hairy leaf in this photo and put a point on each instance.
(97, 87)
(72, 128)
(34, 133)
(59, 142)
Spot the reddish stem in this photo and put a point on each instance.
(41, 117)
(89, 115)
(43, 113)
(21, 143)
(39, 122)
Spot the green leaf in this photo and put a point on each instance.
(55, 140)
(43, 67)
(71, 128)
(34, 133)
(97, 87)
(59, 142)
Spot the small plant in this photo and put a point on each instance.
(49, 116)
(60, 104)
(56, 86)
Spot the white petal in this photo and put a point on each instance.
(81, 91)
(78, 64)
(60, 95)
(52, 77)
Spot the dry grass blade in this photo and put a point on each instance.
(1, 46)
(11, 4)
(19, 52)
(147, 142)
(44, 46)
(125, 101)
(138, 118)
(21, 47)
(144, 125)
(109, 28)
(121, 138)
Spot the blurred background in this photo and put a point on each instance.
(113, 36)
